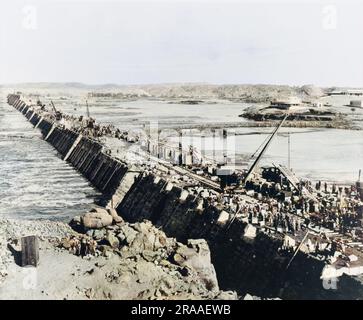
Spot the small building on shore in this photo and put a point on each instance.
(349, 92)
(356, 103)
(285, 103)
(317, 104)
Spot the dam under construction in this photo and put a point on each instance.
(270, 233)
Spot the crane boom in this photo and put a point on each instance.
(55, 110)
(255, 163)
(58, 114)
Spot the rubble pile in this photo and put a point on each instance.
(167, 267)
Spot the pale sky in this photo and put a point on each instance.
(138, 42)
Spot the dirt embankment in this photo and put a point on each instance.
(107, 259)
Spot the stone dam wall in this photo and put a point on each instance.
(257, 266)
(104, 172)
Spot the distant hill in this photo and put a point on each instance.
(198, 91)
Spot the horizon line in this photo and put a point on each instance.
(169, 83)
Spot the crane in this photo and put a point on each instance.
(258, 158)
(53, 106)
(58, 114)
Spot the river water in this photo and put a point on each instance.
(331, 155)
(34, 182)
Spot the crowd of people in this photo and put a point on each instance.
(338, 208)
(87, 126)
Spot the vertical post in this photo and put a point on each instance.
(231, 148)
(180, 157)
(32, 116)
(288, 152)
(88, 114)
(224, 146)
(74, 145)
(154, 136)
(50, 132)
(214, 144)
(40, 120)
(202, 148)
(29, 251)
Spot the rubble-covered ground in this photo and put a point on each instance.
(116, 260)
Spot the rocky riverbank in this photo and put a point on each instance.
(302, 116)
(106, 258)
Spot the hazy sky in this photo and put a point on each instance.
(124, 42)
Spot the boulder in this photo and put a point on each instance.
(121, 237)
(98, 210)
(227, 295)
(196, 256)
(115, 216)
(250, 231)
(112, 239)
(127, 233)
(150, 255)
(103, 249)
(248, 297)
(143, 227)
(99, 234)
(97, 220)
(90, 233)
(223, 218)
(160, 241)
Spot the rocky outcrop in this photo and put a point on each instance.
(186, 269)
(196, 256)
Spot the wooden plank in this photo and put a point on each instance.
(29, 251)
